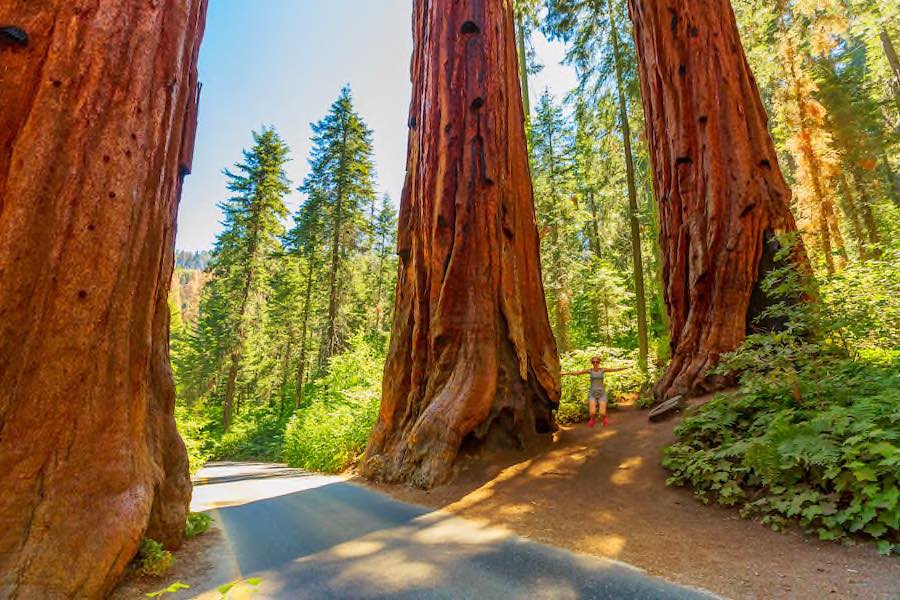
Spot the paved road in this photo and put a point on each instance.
(313, 536)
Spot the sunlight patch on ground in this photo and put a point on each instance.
(610, 545)
(357, 548)
(624, 474)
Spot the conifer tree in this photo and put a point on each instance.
(242, 259)
(552, 164)
(384, 229)
(305, 242)
(342, 178)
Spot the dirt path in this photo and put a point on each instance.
(602, 492)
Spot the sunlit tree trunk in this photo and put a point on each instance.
(522, 51)
(472, 358)
(716, 175)
(849, 206)
(96, 132)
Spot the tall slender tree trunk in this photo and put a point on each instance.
(823, 206)
(716, 175)
(594, 226)
(849, 207)
(523, 70)
(234, 356)
(329, 348)
(891, 54)
(472, 357)
(301, 364)
(865, 208)
(638, 270)
(96, 129)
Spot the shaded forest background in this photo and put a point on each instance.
(279, 334)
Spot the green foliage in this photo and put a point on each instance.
(191, 426)
(812, 436)
(171, 589)
(153, 559)
(331, 429)
(255, 435)
(196, 524)
(238, 583)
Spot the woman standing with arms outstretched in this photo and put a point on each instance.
(597, 393)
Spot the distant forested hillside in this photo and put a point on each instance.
(186, 259)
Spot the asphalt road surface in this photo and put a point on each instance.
(311, 536)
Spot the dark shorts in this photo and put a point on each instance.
(597, 396)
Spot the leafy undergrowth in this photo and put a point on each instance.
(330, 431)
(153, 559)
(812, 435)
(196, 524)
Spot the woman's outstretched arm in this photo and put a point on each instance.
(585, 372)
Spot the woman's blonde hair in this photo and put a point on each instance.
(597, 358)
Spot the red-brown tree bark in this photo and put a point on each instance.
(472, 356)
(717, 178)
(96, 132)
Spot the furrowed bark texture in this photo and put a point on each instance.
(716, 175)
(472, 357)
(96, 131)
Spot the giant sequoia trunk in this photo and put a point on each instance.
(472, 357)
(96, 131)
(716, 175)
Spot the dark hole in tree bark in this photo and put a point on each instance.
(469, 27)
(764, 163)
(477, 103)
(674, 20)
(694, 32)
(82, 294)
(682, 70)
(56, 83)
(703, 119)
(683, 160)
(759, 300)
(13, 34)
(412, 123)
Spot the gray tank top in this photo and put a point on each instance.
(597, 381)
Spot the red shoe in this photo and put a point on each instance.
(591, 422)
(605, 421)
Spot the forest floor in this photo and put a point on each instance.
(603, 492)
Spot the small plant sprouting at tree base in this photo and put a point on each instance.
(472, 356)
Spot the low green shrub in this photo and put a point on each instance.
(812, 435)
(196, 524)
(257, 433)
(192, 427)
(153, 559)
(331, 429)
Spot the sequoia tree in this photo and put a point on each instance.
(96, 132)
(472, 358)
(721, 192)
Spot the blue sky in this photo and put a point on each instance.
(282, 63)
